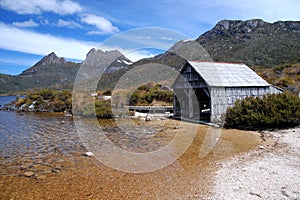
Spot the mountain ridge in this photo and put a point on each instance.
(54, 71)
(253, 42)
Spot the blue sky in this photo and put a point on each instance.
(31, 29)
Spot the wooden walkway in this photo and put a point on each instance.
(152, 109)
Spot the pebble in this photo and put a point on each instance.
(56, 170)
(89, 154)
(41, 177)
(176, 127)
(63, 122)
(28, 174)
(23, 167)
(260, 147)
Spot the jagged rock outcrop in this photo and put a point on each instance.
(105, 60)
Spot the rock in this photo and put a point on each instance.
(260, 147)
(88, 154)
(41, 177)
(28, 174)
(63, 122)
(23, 167)
(56, 170)
(176, 127)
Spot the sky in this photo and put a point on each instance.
(31, 29)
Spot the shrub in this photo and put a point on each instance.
(47, 99)
(270, 111)
(101, 108)
(146, 94)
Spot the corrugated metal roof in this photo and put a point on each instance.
(227, 74)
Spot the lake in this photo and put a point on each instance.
(42, 158)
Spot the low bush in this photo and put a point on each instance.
(270, 111)
(47, 100)
(146, 94)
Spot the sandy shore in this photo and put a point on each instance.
(269, 172)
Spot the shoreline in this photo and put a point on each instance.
(269, 172)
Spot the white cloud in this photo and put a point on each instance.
(38, 6)
(68, 24)
(138, 55)
(12, 38)
(29, 23)
(103, 25)
(95, 33)
(167, 38)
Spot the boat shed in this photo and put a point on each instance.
(204, 90)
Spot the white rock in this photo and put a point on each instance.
(260, 147)
(89, 154)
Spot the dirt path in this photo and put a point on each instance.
(269, 172)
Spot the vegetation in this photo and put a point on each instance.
(270, 111)
(46, 100)
(149, 94)
(101, 108)
(286, 76)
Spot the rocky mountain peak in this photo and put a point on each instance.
(242, 28)
(248, 26)
(96, 57)
(51, 59)
(109, 61)
(254, 42)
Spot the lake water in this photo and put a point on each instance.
(6, 99)
(35, 134)
(51, 151)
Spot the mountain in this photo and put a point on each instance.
(109, 60)
(253, 42)
(53, 71)
(49, 71)
(44, 63)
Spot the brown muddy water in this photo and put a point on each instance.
(41, 158)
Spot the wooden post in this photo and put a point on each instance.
(190, 103)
